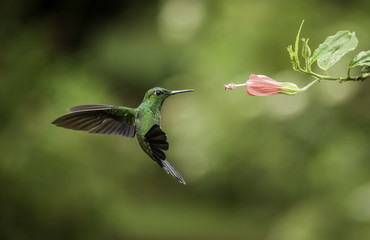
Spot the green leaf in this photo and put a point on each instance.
(362, 59)
(290, 51)
(334, 48)
(296, 45)
(292, 55)
(365, 69)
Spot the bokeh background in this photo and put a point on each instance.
(271, 168)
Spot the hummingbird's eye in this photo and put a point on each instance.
(158, 93)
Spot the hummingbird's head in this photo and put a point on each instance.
(158, 94)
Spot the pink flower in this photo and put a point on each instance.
(260, 85)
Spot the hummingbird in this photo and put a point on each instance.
(144, 121)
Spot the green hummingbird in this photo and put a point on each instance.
(144, 121)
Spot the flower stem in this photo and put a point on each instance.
(308, 85)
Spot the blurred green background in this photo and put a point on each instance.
(271, 168)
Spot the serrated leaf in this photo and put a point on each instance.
(362, 59)
(334, 48)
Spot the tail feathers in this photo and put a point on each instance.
(167, 166)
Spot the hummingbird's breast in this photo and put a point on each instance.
(145, 120)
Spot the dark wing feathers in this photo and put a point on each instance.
(103, 119)
(157, 141)
(90, 107)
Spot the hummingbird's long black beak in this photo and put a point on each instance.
(181, 91)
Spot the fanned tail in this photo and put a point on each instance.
(167, 166)
(157, 141)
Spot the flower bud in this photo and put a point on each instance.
(306, 51)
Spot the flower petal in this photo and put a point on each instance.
(260, 85)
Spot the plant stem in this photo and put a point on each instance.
(339, 79)
(308, 85)
(349, 72)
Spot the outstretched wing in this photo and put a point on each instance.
(156, 142)
(90, 107)
(104, 119)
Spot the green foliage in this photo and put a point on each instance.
(294, 54)
(306, 51)
(333, 49)
(365, 69)
(327, 54)
(361, 60)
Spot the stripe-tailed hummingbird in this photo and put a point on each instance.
(144, 121)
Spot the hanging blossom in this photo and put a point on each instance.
(260, 85)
